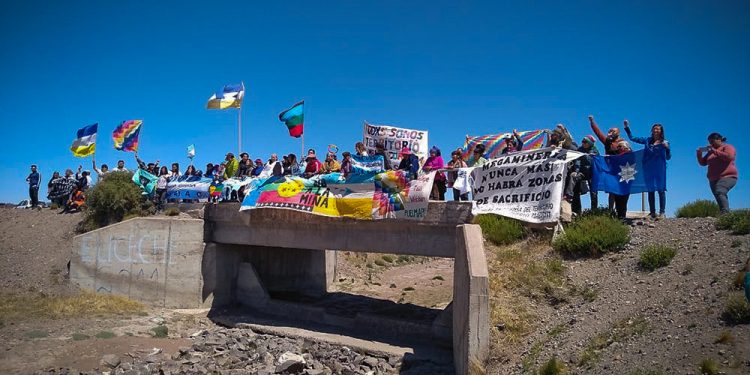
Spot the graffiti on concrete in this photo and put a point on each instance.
(147, 248)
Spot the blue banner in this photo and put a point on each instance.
(634, 172)
(188, 187)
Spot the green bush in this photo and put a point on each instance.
(709, 367)
(592, 236)
(113, 199)
(737, 309)
(553, 367)
(172, 211)
(160, 331)
(501, 230)
(738, 221)
(699, 208)
(656, 256)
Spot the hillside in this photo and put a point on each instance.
(596, 316)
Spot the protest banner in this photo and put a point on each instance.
(526, 185)
(394, 139)
(384, 195)
(188, 187)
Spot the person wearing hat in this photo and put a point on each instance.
(258, 168)
(722, 174)
(656, 143)
(314, 165)
(231, 165)
(331, 164)
(513, 143)
(582, 170)
(435, 163)
(409, 163)
(560, 137)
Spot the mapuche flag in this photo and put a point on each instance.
(294, 118)
(85, 142)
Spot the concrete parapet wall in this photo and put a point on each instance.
(152, 260)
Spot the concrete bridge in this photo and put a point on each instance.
(259, 258)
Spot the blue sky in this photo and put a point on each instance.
(452, 68)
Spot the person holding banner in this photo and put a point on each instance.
(409, 163)
(477, 159)
(380, 150)
(435, 163)
(583, 166)
(161, 188)
(453, 165)
(360, 149)
(614, 144)
(652, 144)
(513, 143)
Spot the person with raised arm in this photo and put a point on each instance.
(513, 143)
(614, 144)
(722, 175)
(654, 143)
(99, 172)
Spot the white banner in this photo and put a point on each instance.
(526, 185)
(394, 139)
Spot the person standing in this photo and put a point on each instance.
(653, 144)
(614, 144)
(409, 163)
(34, 179)
(722, 174)
(454, 164)
(435, 163)
(583, 165)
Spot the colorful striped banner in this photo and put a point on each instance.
(125, 136)
(494, 144)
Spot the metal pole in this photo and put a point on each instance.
(643, 201)
(239, 130)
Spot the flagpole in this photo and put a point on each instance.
(239, 130)
(302, 151)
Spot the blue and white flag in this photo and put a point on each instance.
(634, 172)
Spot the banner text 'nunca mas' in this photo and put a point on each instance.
(525, 185)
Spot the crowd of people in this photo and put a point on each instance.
(68, 190)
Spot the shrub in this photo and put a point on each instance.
(553, 367)
(105, 335)
(54, 206)
(699, 208)
(656, 256)
(380, 262)
(737, 221)
(111, 200)
(737, 309)
(592, 236)
(172, 211)
(160, 331)
(388, 258)
(709, 367)
(500, 230)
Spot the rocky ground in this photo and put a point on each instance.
(605, 316)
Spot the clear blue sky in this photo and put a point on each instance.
(452, 68)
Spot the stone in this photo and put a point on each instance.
(110, 361)
(371, 362)
(290, 367)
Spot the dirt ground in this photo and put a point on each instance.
(605, 316)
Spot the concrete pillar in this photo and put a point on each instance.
(471, 330)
